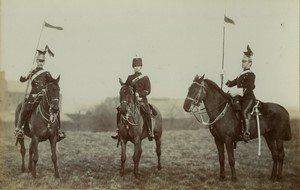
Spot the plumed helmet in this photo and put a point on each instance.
(137, 62)
(249, 52)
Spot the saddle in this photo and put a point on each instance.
(143, 108)
(236, 103)
(32, 104)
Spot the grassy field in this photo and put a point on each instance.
(189, 159)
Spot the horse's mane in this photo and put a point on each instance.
(212, 83)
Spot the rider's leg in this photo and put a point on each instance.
(149, 122)
(117, 130)
(61, 135)
(247, 105)
(19, 131)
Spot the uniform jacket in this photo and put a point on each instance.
(142, 86)
(246, 81)
(38, 83)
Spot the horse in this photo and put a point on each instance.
(226, 127)
(41, 126)
(131, 127)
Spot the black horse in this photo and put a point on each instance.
(226, 129)
(132, 127)
(41, 126)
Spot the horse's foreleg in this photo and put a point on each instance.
(23, 151)
(54, 158)
(35, 156)
(137, 155)
(272, 146)
(123, 156)
(230, 153)
(220, 147)
(158, 151)
(30, 157)
(280, 150)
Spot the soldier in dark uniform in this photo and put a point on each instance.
(38, 83)
(142, 88)
(245, 81)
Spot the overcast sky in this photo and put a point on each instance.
(177, 39)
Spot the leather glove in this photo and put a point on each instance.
(227, 83)
(22, 79)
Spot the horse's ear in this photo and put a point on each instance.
(121, 82)
(196, 77)
(58, 78)
(201, 79)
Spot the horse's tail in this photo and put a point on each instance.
(288, 134)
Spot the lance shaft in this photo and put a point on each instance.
(29, 80)
(222, 76)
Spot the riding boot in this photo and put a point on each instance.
(117, 131)
(19, 131)
(246, 134)
(150, 132)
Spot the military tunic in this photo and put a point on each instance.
(38, 83)
(140, 83)
(246, 81)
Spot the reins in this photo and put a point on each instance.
(52, 116)
(196, 104)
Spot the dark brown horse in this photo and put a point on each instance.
(226, 129)
(132, 128)
(41, 126)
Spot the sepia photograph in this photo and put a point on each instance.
(149, 94)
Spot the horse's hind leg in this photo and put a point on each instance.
(23, 151)
(272, 146)
(220, 147)
(123, 156)
(280, 150)
(54, 158)
(158, 151)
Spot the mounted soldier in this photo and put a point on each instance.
(142, 88)
(37, 77)
(245, 86)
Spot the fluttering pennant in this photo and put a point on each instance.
(51, 26)
(228, 20)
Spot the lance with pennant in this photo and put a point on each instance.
(45, 24)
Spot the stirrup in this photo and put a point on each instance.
(115, 137)
(19, 133)
(246, 136)
(150, 136)
(61, 136)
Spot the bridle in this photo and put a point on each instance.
(196, 103)
(130, 112)
(48, 115)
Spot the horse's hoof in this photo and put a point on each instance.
(234, 179)
(159, 167)
(273, 178)
(279, 178)
(137, 175)
(23, 169)
(56, 175)
(222, 178)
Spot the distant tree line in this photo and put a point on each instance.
(102, 117)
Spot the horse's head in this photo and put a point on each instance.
(52, 94)
(195, 94)
(127, 97)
